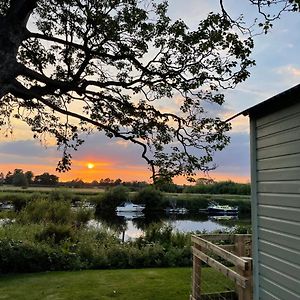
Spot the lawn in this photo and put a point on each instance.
(136, 284)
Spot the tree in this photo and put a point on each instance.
(8, 178)
(46, 179)
(110, 65)
(19, 178)
(2, 178)
(29, 176)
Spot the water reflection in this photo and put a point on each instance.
(132, 225)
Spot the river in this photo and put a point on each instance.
(131, 226)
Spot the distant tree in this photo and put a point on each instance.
(94, 183)
(204, 181)
(19, 178)
(106, 182)
(118, 181)
(29, 176)
(2, 178)
(77, 183)
(46, 179)
(8, 178)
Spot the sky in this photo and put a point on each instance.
(277, 69)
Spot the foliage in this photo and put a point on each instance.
(112, 198)
(19, 178)
(106, 55)
(19, 200)
(60, 195)
(45, 211)
(151, 197)
(221, 187)
(46, 179)
(55, 233)
(82, 216)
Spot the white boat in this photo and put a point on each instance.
(6, 206)
(217, 209)
(129, 206)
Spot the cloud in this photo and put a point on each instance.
(289, 70)
(26, 148)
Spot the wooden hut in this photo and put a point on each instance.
(275, 181)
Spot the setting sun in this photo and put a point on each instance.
(90, 166)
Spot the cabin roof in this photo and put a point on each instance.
(277, 102)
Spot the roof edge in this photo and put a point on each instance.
(276, 101)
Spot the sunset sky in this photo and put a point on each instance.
(277, 69)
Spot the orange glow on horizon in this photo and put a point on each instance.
(102, 170)
(90, 166)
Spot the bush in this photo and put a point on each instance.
(19, 256)
(45, 211)
(222, 187)
(55, 233)
(82, 216)
(112, 198)
(151, 197)
(60, 195)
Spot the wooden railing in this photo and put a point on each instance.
(235, 250)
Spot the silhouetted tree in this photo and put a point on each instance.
(116, 66)
(46, 179)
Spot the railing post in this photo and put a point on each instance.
(246, 293)
(196, 276)
(239, 243)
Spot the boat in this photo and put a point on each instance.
(217, 209)
(129, 206)
(6, 206)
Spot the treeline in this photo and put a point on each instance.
(106, 183)
(20, 178)
(221, 187)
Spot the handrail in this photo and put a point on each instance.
(234, 259)
(203, 246)
(237, 278)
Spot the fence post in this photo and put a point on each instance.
(243, 293)
(239, 243)
(246, 293)
(196, 276)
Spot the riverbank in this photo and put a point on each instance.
(191, 201)
(137, 284)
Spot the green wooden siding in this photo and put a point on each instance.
(276, 197)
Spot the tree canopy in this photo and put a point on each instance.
(125, 68)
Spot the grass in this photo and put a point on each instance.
(135, 284)
(42, 189)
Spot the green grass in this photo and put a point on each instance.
(42, 189)
(136, 284)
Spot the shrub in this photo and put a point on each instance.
(82, 216)
(60, 195)
(45, 211)
(112, 198)
(55, 233)
(151, 197)
(19, 256)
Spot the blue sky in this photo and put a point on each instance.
(277, 69)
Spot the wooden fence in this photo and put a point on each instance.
(235, 249)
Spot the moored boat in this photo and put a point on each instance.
(129, 206)
(217, 209)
